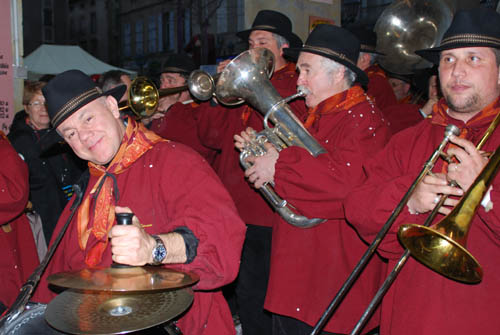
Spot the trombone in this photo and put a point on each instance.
(427, 244)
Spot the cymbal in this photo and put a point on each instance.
(126, 279)
(92, 312)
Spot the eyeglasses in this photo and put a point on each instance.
(38, 104)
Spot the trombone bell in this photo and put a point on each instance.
(440, 252)
(442, 247)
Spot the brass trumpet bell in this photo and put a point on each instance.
(143, 97)
(442, 247)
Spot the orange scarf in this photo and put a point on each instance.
(375, 70)
(341, 101)
(440, 117)
(136, 141)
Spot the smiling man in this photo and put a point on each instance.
(422, 301)
(180, 207)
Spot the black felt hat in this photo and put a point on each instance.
(335, 43)
(71, 90)
(367, 38)
(274, 22)
(178, 63)
(478, 27)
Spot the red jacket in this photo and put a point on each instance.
(421, 301)
(217, 127)
(402, 116)
(180, 124)
(168, 187)
(308, 266)
(18, 251)
(379, 89)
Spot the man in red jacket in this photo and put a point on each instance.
(183, 216)
(18, 250)
(177, 115)
(378, 87)
(422, 301)
(217, 126)
(308, 266)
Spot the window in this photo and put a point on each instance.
(93, 23)
(187, 25)
(47, 34)
(83, 24)
(171, 38)
(168, 31)
(139, 37)
(240, 9)
(160, 32)
(152, 35)
(127, 37)
(222, 17)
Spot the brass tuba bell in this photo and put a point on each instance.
(409, 25)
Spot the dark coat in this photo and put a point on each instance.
(53, 168)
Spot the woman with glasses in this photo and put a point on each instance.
(53, 168)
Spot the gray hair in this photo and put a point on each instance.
(373, 57)
(331, 66)
(111, 79)
(280, 40)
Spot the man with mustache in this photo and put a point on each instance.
(422, 301)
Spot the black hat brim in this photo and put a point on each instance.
(361, 76)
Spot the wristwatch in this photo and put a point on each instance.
(159, 251)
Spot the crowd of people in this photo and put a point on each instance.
(196, 209)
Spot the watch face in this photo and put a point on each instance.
(159, 253)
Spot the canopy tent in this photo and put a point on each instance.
(54, 59)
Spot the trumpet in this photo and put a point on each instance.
(143, 96)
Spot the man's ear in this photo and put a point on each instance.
(286, 45)
(112, 105)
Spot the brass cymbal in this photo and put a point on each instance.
(127, 279)
(92, 312)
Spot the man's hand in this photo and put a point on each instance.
(222, 65)
(470, 163)
(262, 169)
(166, 102)
(428, 193)
(242, 140)
(130, 244)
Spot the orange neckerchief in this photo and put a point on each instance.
(137, 140)
(340, 101)
(440, 117)
(406, 100)
(375, 70)
(289, 67)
